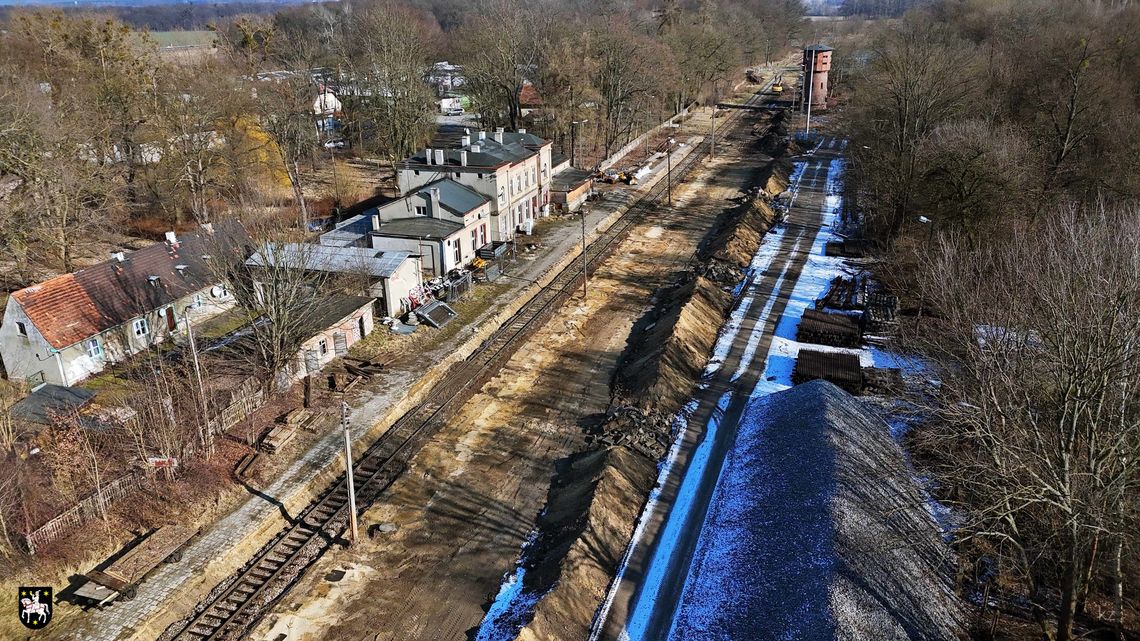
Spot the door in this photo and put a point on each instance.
(171, 322)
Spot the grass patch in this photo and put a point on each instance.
(383, 346)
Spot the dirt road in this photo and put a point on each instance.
(642, 603)
(452, 525)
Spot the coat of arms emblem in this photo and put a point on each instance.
(35, 607)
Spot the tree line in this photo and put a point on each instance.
(102, 131)
(994, 159)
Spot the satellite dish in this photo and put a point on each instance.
(216, 291)
(162, 313)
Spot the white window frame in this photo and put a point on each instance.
(22, 328)
(141, 327)
(95, 349)
(322, 347)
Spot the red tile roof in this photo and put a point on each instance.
(70, 308)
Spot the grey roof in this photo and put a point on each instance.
(569, 179)
(514, 148)
(337, 260)
(418, 227)
(457, 198)
(49, 401)
(334, 309)
(823, 535)
(818, 47)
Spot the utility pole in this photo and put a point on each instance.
(811, 81)
(585, 275)
(712, 134)
(669, 171)
(348, 468)
(204, 422)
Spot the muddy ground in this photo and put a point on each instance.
(439, 543)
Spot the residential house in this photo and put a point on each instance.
(445, 77)
(72, 326)
(339, 322)
(387, 276)
(443, 222)
(512, 169)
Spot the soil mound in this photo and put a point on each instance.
(592, 518)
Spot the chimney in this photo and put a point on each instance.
(463, 158)
(434, 202)
(439, 156)
(427, 155)
(375, 222)
(465, 141)
(522, 131)
(476, 148)
(171, 238)
(208, 227)
(118, 257)
(499, 135)
(482, 135)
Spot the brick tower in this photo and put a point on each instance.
(817, 62)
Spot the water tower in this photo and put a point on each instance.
(817, 62)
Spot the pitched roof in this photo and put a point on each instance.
(72, 307)
(455, 197)
(516, 147)
(334, 309)
(336, 260)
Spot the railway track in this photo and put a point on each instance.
(236, 604)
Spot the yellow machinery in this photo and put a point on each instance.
(778, 85)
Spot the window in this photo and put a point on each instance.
(21, 328)
(421, 210)
(141, 327)
(482, 234)
(94, 349)
(417, 172)
(502, 194)
(480, 176)
(474, 238)
(457, 175)
(197, 301)
(323, 347)
(458, 251)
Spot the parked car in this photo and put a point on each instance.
(455, 111)
(335, 144)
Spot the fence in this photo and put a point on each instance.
(87, 509)
(246, 399)
(640, 140)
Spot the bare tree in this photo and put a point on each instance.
(502, 48)
(387, 52)
(1039, 414)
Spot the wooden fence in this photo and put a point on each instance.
(88, 509)
(246, 399)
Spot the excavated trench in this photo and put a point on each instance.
(597, 494)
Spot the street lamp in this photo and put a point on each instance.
(574, 141)
(669, 170)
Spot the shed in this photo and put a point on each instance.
(570, 187)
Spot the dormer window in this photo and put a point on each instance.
(153, 280)
(181, 269)
(421, 210)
